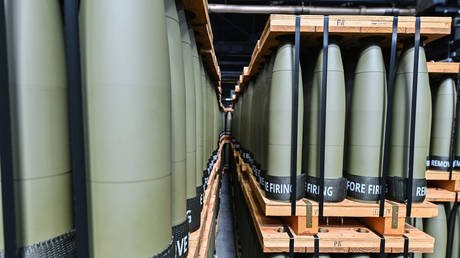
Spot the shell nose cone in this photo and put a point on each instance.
(370, 60)
(283, 59)
(447, 87)
(334, 59)
(407, 61)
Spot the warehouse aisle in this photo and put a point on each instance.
(225, 246)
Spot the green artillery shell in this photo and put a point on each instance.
(335, 116)
(280, 114)
(400, 129)
(437, 228)
(198, 111)
(127, 92)
(178, 198)
(229, 121)
(443, 116)
(193, 207)
(40, 122)
(203, 118)
(399, 153)
(265, 106)
(366, 125)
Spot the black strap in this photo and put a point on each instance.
(406, 246)
(316, 246)
(323, 114)
(291, 241)
(6, 153)
(78, 162)
(451, 223)
(454, 129)
(412, 117)
(388, 120)
(382, 243)
(294, 120)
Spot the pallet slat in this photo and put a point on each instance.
(443, 68)
(440, 195)
(441, 175)
(200, 239)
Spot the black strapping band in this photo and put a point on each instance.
(6, 153)
(406, 246)
(451, 224)
(316, 246)
(388, 120)
(413, 117)
(382, 243)
(323, 113)
(74, 90)
(295, 111)
(291, 241)
(453, 131)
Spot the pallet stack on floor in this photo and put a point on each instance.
(347, 226)
(443, 187)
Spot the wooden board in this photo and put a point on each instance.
(440, 195)
(199, 240)
(203, 36)
(350, 28)
(441, 179)
(210, 61)
(443, 68)
(201, 25)
(199, 10)
(209, 225)
(450, 185)
(441, 175)
(351, 236)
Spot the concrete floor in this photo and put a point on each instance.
(225, 243)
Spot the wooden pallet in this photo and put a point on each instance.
(450, 68)
(200, 239)
(434, 194)
(306, 219)
(203, 34)
(350, 236)
(441, 179)
(350, 28)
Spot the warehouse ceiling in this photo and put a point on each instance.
(235, 34)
